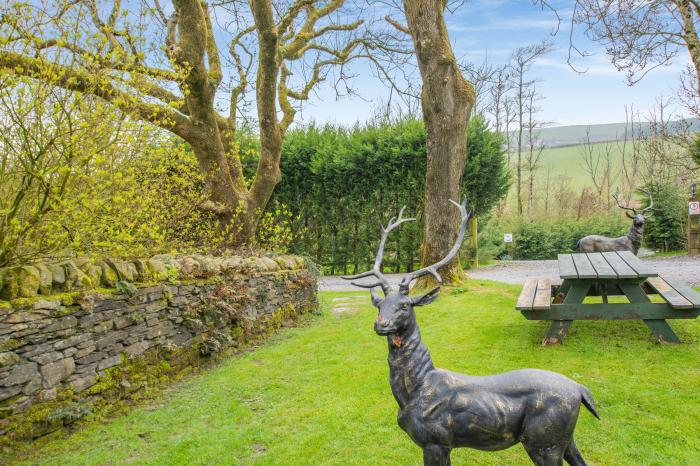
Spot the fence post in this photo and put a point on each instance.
(474, 243)
(693, 222)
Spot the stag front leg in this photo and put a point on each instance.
(435, 455)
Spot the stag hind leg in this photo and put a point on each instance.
(435, 455)
(546, 455)
(573, 456)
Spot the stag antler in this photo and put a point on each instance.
(433, 269)
(650, 207)
(616, 196)
(381, 279)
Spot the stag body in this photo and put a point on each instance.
(631, 242)
(441, 410)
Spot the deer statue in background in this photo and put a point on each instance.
(631, 242)
(441, 410)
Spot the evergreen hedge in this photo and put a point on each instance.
(339, 185)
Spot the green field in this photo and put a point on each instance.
(319, 394)
(568, 162)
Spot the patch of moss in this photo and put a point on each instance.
(10, 344)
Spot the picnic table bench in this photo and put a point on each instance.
(607, 274)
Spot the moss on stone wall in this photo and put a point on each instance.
(133, 344)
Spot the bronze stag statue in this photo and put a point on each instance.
(631, 242)
(441, 410)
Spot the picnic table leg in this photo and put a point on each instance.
(663, 332)
(659, 327)
(556, 333)
(575, 293)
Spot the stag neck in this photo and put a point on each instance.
(635, 236)
(409, 363)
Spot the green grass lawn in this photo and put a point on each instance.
(319, 394)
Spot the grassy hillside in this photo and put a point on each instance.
(558, 136)
(568, 162)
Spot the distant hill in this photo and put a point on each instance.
(562, 136)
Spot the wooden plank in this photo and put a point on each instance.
(621, 268)
(643, 269)
(601, 266)
(527, 295)
(669, 293)
(610, 311)
(543, 296)
(686, 291)
(583, 266)
(567, 269)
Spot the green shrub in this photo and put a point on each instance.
(544, 240)
(665, 230)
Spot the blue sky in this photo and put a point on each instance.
(492, 29)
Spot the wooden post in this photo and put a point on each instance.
(693, 222)
(474, 243)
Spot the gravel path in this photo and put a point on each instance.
(685, 268)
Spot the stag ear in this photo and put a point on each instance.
(426, 298)
(628, 215)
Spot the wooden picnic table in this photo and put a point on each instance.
(607, 274)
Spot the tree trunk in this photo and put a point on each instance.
(447, 100)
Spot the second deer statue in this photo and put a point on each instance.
(631, 242)
(441, 410)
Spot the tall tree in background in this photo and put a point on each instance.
(521, 62)
(446, 100)
(162, 64)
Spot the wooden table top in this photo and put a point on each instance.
(603, 265)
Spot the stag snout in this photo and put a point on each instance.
(383, 327)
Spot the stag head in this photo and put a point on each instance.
(396, 317)
(638, 217)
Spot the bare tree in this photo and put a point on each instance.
(535, 146)
(521, 62)
(640, 35)
(598, 162)
(483, 78)
(161, 62)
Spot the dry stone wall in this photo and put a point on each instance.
(64, 355)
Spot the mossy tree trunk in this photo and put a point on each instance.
(447, 99)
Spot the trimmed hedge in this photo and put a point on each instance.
(340, 184)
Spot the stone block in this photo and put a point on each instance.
(43, 304)
(109, 275)
(6, 393)
(62, 324)
(111, 339)
(71, 341)
(8, 359)
(83, 383)
(90, 358)
(190, 267)
(21, 373)
(86, 369)
(82, 352)
(122, 322)
(137, 348)
(46, 358)
(46, 279)
(33, 386)
(33, 350)
(58, 276)
(55, 372)
(109, 362)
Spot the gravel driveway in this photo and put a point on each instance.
(685, 268)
